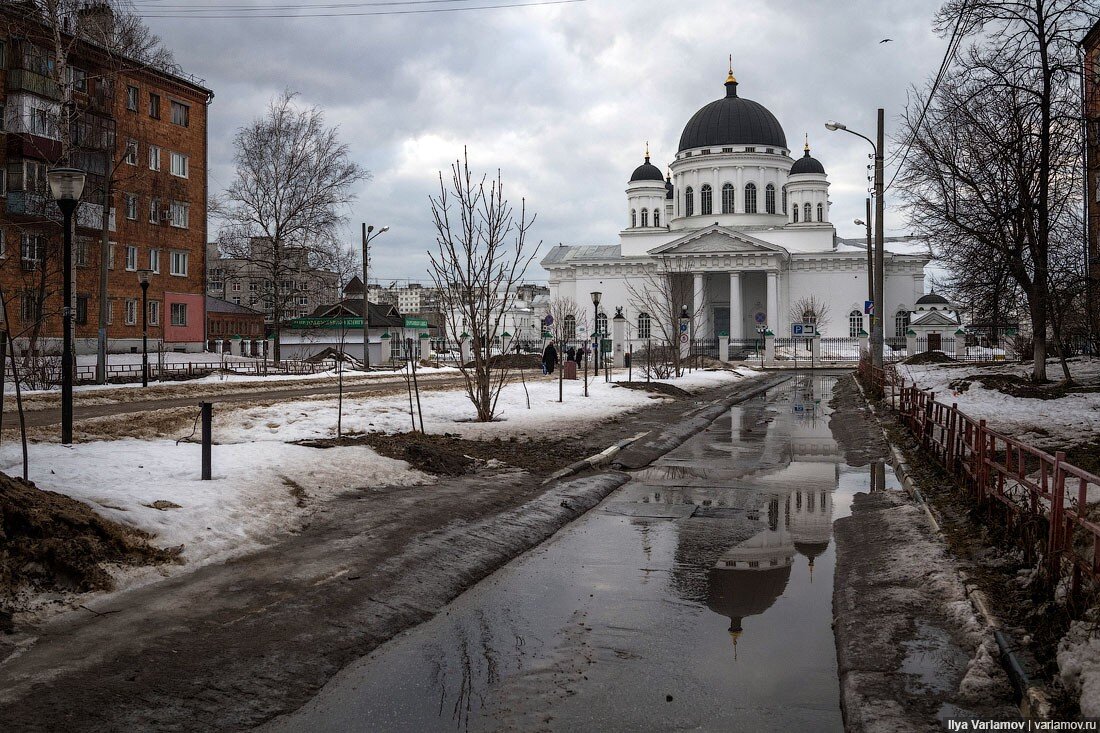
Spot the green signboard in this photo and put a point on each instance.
(415, 323)
(325, 323)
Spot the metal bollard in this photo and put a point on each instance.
(207, 430)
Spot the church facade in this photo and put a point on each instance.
(743, 229)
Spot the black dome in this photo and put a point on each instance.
(647, 172)
(933, 299)
(668, 188)
(732, 121)
(807, 164)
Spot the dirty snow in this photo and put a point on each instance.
(1079, 665)
(1044, 423)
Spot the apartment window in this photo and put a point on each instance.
(111, 256)
(179, 264)
(110, 311)
(180, 165)
(179, 314)
(33, 251)
(154, 210)
(80, 251)
(154, 312)
(131, 205)
(181, 114)
(132, 98)
(179, 213)
(131, 311)
(236, 300)
(3, 242)
(131, 152)
(30, 309)
(131, 257)
(154, 105)
(78, 78)
(303, 301)
(82, 310)
(237, 287)
(154, 260)
(154, 158)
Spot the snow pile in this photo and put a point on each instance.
(1049, 422)
(1079, 665)
(451, 411)
(248, 501)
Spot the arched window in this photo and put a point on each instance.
(794, 213)
(727, 198)
(601, 324)
(633, 218)
(689, 201)
(645, 216)
(569, 326)
(750, 198)
(706, 206)
(656, 218)
(807, 212)
(820, 213)
(769, 198)
(901, 323)
(784, 199)
(855, 323)
(644, 326)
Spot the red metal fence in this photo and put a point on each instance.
(1040, 495)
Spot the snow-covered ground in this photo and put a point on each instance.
(256, 464)
(1067, 420)
(170, 357)
(1079, 665)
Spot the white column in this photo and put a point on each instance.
(736, 317)
(775, 322)
(697, 307)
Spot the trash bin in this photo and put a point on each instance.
(570, 368)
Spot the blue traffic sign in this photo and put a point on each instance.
(869, 307)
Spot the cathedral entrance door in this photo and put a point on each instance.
(721, 319)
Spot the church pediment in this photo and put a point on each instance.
(717, 240)
(933, 318)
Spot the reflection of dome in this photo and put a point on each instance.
(647, 172)
(732, 121)
(740, 593)
(811, 550)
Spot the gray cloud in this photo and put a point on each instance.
(560, 98)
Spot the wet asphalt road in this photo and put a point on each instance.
(697, 596)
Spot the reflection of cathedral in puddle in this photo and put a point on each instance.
(750, 576)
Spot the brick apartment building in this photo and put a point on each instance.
(150, 127)
(1091, 113)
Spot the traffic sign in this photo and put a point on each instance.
(803, 329)
(869, 307)
(683, 327)
(549, 320)
(683, 338)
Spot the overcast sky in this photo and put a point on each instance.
(561, 98)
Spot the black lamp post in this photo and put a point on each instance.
(143, 279)
(596, 327)
(367, 237)
(66, 186)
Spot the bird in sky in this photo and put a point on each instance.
(886, 40)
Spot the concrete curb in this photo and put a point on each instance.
(1034, 700)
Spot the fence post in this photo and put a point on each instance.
(982, 472)
(1055, 542)
(207, 435)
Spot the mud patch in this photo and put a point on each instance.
(930, 357)
(49, 542)
(660, 388)
(450, 455)
(1015, 385)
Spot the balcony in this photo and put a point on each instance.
(32, 203)
(21, 80)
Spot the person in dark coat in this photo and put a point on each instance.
(549, 359)
(571, 354)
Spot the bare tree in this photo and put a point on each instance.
(282, 212)
(811, 309)
(997, 148)
(665, 293)
(482, 254)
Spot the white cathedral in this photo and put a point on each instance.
(748, 224)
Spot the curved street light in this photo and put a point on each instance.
(367, 237)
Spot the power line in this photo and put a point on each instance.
(158, 5)
(213, 13)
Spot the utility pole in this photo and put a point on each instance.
(366, 303)
(879, 304)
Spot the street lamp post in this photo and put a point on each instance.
(143, 280)
(877, 335)
(870, 253)
(367, 237)
(66, 186)
(596, 294)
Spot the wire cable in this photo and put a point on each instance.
(213, 13)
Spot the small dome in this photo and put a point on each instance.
(668, 188)
(807, 164)
(646, 172)
(933, 298)
(732, 120)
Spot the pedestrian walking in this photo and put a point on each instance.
(571, 354)
(549, 359)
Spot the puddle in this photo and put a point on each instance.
(697, 596)
(932, 663)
